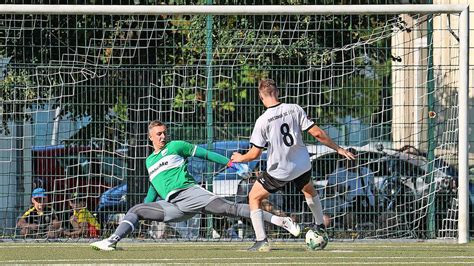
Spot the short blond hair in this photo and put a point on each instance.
(155, 123)
(268, 87)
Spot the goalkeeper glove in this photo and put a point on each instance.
(241, 169)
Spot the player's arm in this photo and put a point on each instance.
(258, 140)
(22, 222)
(187, 149)
(80, 228)
(251, 155)
(241, 169)
(151, 195)
(56, 224)
(24, 225)
(322, 137)
(211, 156)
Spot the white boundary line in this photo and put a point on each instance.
(348, 246)
(353, 260)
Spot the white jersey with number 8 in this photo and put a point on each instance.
(281, 127)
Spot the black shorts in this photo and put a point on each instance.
(272, 185)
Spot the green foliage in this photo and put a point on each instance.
(251, 75)
(17, 94)
(117, 118)
(240, 58)
(224, 93)
(270, 46)
(356, 95)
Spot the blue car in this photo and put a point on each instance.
(225, 181)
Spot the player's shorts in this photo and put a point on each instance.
(186, 203)
(272, 185)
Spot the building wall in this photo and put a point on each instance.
(448, 57)
(410, 123)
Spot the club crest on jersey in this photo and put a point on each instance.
(164, 152)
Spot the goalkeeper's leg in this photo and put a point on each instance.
(146, 211)
(221, 206)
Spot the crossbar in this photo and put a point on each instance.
(228, 9)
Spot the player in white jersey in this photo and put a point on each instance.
(280, 129)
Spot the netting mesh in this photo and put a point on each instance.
(78, 92)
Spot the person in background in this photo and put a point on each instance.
(83, 223)
(39, 220)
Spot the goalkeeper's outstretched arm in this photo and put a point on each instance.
(211, 156)
(241, 170)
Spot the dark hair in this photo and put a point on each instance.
(37, 182)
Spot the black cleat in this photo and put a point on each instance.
(321, 230)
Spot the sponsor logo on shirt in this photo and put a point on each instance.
(289, 112)
(164, 164)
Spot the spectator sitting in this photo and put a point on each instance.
(83, 223)
(39, 219)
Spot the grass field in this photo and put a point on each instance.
(348, 253)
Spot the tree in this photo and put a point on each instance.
(118, 72)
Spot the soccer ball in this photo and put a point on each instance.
(315, 241)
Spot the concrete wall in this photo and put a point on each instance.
(410, 122)
(446, 57)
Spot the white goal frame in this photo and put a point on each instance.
(463, 10)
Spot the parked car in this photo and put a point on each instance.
(224, 180)
(411, 168)
(402, 183)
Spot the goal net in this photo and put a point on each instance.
(78, 88)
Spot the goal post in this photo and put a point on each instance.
(51, 82)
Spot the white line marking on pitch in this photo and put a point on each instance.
(354, 260)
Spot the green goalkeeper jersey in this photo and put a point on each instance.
(168, 168)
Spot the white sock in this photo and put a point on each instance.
(277, 220)
(257, 223)
(314, 205)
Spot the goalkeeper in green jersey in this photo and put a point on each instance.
(181, 197)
